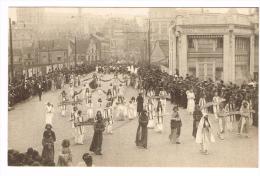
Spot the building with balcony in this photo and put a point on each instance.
(219, 46)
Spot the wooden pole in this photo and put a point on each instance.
(11, 50)
(149, 52)
(75, 59)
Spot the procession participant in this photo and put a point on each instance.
(90, 110)
(163, 93)
(49, 113)
(243, 124)
(109, 95)
(120, 110)
(221, 121)
(120, 93)
(175, 126)
(204, 134)
(150, 109)
(202, 103)
(216, 101)
(63, 106)
(39, 90)
(197, 114)
(191, 103)
(114, 91)
(108, 115)
(65, 156)
(71, 91)
(79, 136)
(230, 107)
(86, 95)
(159, 113)
(73, 115)
(48, 145)
(142, 131)
(140, 101)
(99, 128)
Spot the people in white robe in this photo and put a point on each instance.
(120, 93)
(150, 113)
(159, 114)
(216, 101)
(243, 124)
(204, 134)
(230, 119)
(221, 121)
(71, 91)
(73, 115)
(163, 93)
(191, 103)
(132, 113)
(63, 106)
(87, 95)
(202, 103)
(108, 115)
(79, 135)
(49, 114)
(90, 110)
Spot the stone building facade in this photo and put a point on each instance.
(214, 45)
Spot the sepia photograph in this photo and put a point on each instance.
(133, 86)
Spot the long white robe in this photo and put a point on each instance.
(49, 114)
(204, 136)
(191, 102)
(79, 136)
(150, 109)
(132, 111)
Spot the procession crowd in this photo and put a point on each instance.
(229, 103)
(21, 89)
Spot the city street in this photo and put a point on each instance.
(27, 122)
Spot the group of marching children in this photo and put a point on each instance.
(155, 107)
(225, 113)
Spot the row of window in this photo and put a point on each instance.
(205, 43)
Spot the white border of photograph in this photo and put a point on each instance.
(73, 171)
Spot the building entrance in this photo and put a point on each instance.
(205, 70)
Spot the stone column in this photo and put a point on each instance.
(229, 57)
(172, 51)
(183, 55)
(252, 55)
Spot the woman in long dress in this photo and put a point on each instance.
(159, 113)
(150, 109)
(49, 113)
(191, 103)
(230, 107)
(108, 115)
(142, 131)
(175, 126)
(163, 93)
(243, 124)
(204, 134)
(99, 128)
(63, 106)
(48, 145)
(79, 135)
(90, 110)
(197, 115)
(131, 110)
(216, 101)
(202, 103)
(87, 95)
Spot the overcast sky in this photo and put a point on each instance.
(117, 11)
